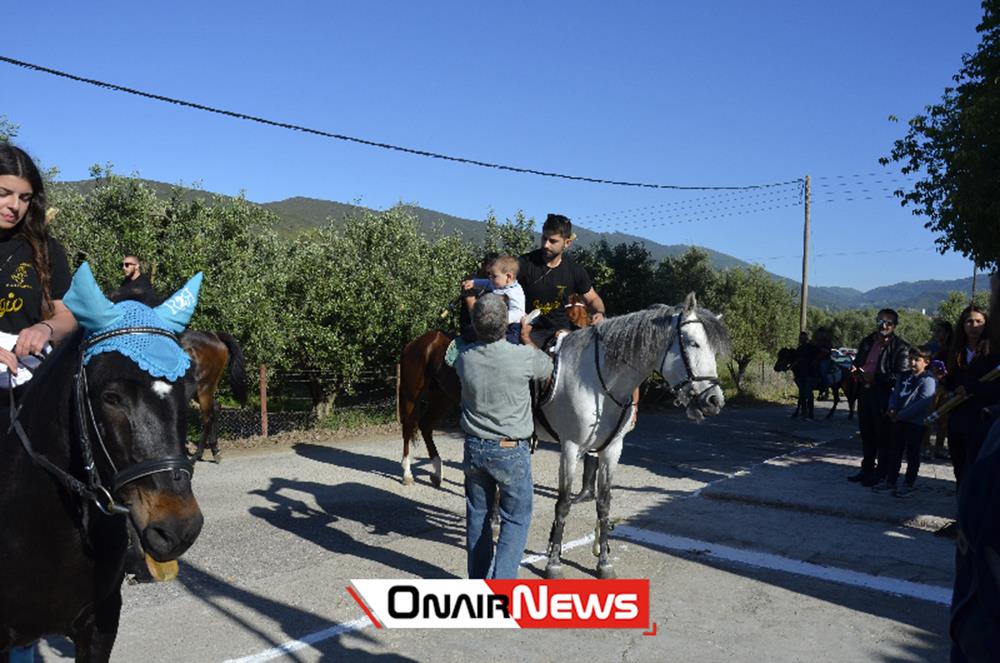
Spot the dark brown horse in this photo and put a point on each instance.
(424, 376)
(95, 443)
(846, 383)
(211, 352)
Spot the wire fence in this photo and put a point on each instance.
(303, 399)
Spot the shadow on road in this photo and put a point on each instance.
(380, 512)
(296, 623)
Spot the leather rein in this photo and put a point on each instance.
(94, 489)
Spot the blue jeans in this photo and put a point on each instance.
(488, 466)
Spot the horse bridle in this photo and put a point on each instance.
(94, 490)
(713, 380)
(690, 379)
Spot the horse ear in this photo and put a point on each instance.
(176, 312)
(690, 302)
(87, 303)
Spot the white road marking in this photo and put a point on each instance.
(884, 584)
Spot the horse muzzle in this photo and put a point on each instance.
(168, 538)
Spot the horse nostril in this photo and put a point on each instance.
(715, 401)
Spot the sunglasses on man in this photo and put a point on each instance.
(129, 264)
(882, 322)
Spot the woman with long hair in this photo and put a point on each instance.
(34, 272)
(970, 358)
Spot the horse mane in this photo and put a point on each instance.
(639, 338)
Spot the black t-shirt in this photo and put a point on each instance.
(549, 289)
(20, 290)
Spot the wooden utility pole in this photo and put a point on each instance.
(263, 400)
(804, 297)
(974, 270)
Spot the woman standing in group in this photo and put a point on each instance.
(34, 276)
(971, 357)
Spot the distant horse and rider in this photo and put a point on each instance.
(816, 366)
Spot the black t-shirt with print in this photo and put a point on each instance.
(549, 289)
(20, 290)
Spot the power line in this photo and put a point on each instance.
(372, 143)
(701, 215)
(845, 253)
(722, 197)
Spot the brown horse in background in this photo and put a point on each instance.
(210, 353)
(424, 375)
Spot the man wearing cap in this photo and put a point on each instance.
(496, 418)
(882, 358)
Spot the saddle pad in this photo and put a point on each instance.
(454, 348)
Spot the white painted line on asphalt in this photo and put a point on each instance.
(362, 622)
(306, 641)
(929, 593)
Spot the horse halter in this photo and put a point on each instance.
(713, 380)
(94, 490)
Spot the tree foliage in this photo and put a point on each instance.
(623, 273)
(952, 306)
(955, 144)
(760, 314)
(691, 271)
(513, 237)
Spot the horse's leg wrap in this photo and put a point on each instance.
(407, 474)
(553, 568)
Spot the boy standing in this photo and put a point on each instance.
(908, 406)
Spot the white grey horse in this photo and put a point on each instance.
(591, 410)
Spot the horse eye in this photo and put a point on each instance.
(111, 398)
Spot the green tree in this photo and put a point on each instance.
(625, 272)
(760, 314)
(362, 290)
(691, 271)
(512, 237)
(952, 306)
(955, 144)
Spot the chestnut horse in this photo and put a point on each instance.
(211, 352)
(424, 375)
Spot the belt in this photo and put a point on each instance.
(507, 443)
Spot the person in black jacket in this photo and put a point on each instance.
(882, 357)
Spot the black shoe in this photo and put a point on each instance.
(884, 486)
(871, 481)
(860, 476)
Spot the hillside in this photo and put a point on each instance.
(299, 213)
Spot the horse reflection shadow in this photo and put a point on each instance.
(380, 513)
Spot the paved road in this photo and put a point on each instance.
(756, 547)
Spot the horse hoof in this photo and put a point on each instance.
(408, 481)
(606, 572)
(555, 572)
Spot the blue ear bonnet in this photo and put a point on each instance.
(160, 356)
(157, 355)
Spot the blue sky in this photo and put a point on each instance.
(696, 94)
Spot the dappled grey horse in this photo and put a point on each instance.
(590, 409)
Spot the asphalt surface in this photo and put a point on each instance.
(756, 547)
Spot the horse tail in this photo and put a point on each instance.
(399, 418)
(237, 367)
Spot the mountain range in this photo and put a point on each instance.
(298, 214)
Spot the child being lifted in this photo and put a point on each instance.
(503, 282)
